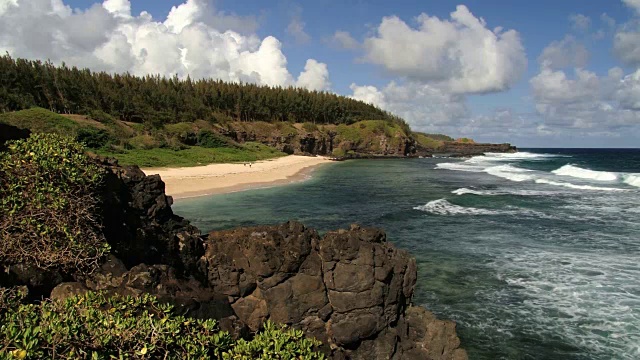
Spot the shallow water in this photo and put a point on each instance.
(534, 254)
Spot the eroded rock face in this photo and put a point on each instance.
(140, 225)
(350, 289)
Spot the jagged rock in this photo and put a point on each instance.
(140, 225)
(349, 288)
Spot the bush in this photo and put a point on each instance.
(145, 142)
(101, 116)
(48, 201)
(208, 139)
(94, 326)
(310, 127)
(94, 138)
(276, 342)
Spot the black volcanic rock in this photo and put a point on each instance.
(9, 132)
(350, 289)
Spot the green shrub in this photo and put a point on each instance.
(95, 326)
(208, 139)
(94, 138)
(48, 201)
(101, 116)
(310, 127)
(145, 142)
(276, 342)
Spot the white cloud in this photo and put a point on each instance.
(424, 107)
(626, 46)
(580, 22)
(296, 27)
(194, 40)
(587, 102)
(565, 53)
(344, 40)
(460, 55)
(315, 76)
(634, 4)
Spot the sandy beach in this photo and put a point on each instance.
(223, 178)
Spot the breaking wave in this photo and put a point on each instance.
(578, 172)
(632, 179)
(575, 186)
(463, 191)
(443, 207)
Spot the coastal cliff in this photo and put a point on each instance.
(350, 288)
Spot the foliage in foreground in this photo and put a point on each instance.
(95, 326)
(48, 202)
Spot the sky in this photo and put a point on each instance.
(533, 73)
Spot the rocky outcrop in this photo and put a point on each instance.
(8, 132)
(350, 288)
(453, 148)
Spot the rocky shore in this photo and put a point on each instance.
(350, 288)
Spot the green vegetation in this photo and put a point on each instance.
(157, 101)
(41, 120)
(193, 156)
(180, 144)
(465, 141)
(48, 198)
(95, 326)
(367, 135)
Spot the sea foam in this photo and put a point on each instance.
(578, 172)
(443, 207)
(510, 173)
(464, 191)
(577, 187)
(632, 179)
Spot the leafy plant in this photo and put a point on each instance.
(48, 201)
(94, 138)
(96, 326)
(278, 343)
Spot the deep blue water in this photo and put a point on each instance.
(535, 254)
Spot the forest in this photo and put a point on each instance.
(156, 100)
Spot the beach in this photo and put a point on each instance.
(224, 178)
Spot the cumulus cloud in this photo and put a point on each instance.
(314, 77)
(565, 53)
(596, 104)
(626, 46)
(425, 107)
(460, 55)
(194, 40)
(344, 40)
(580, 22)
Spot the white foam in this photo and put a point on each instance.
(510, 173)
(461, 166)
(577, 187)
(578, 172)
(632, 179)
(443, 207)
(463, 191)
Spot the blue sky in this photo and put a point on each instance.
(479, 82)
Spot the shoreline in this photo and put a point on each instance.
(215, 179)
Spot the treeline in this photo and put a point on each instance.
(159, 100)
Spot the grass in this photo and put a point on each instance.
(41, 120)
(193, 156)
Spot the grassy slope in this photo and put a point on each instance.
(192, 156)
(131, 144)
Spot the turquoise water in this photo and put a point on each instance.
(535, 254)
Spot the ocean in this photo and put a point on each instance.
(536, 254)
